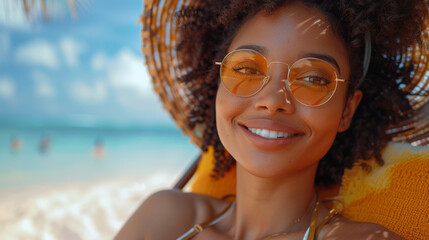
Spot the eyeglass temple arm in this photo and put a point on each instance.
(346, 81)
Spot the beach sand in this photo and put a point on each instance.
(74, 211)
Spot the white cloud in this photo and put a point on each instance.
(138, 102)
(4, 46)
(43, 86)
(71, 50)
(127, 71)
(7, 88)
(128, 77)
(130, 83)
(38, 52)
(86, 93)
(99, 61)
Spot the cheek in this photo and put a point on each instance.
(324, 123)
(228, 108)
(224, 115)
(323, 130)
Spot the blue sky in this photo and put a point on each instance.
(88, 68)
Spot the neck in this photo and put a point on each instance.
(271, 205)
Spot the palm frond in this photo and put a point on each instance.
(46, 9)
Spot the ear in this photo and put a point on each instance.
(349, 110)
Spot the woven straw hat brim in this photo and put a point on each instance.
(159, 36)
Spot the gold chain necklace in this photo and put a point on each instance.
(294, 222)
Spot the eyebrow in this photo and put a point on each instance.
(324, 57)
(262, 50)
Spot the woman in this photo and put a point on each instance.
(293, 76)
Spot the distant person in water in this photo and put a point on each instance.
(98, 150)
(15, 144)
(44, 144)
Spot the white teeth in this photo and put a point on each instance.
(270, 134)
(265, 133)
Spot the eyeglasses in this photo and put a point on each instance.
(311, 81)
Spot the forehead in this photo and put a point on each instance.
(292, 32)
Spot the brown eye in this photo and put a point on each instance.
(314, 80)
(247, 70)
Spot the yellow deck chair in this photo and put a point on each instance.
(395, 195)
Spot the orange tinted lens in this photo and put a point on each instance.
(312, 81)
(243, 72)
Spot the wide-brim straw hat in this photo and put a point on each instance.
(159, 36)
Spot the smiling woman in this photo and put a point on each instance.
(299, 111)
(291, 93)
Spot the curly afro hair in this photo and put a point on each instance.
(206, 31)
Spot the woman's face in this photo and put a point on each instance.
(288, 34)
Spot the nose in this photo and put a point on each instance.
(275, 97)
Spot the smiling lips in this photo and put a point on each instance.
(270, 134)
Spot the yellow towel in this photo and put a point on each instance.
(203, 183)
(395, 195)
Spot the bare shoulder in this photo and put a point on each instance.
(342, 228)
(165, 215)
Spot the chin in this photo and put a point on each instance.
(269, 166)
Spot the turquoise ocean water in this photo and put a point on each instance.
(42, 154)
